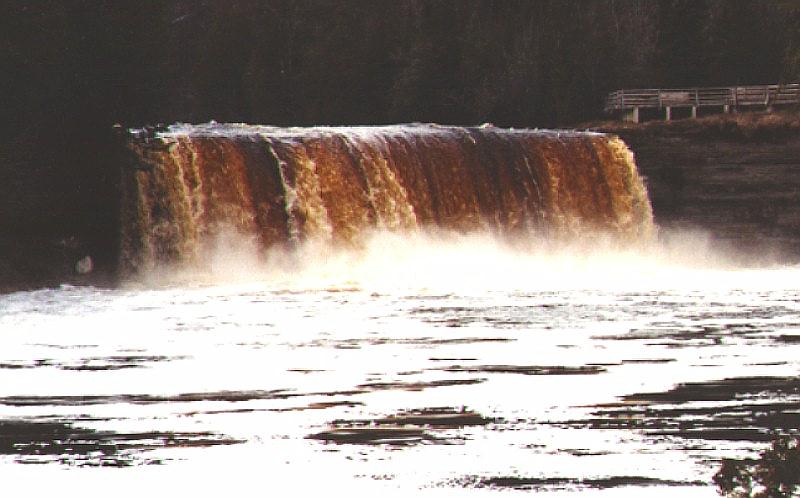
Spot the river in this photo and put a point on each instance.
(452, 365)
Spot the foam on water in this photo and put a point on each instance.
(442, 262)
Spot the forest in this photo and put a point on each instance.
(71, 70)
(301, 62)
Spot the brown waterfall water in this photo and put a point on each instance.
(284, 186)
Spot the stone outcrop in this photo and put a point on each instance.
(735, 177)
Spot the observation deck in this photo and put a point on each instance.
(629, 103)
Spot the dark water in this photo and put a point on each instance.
(608, 375)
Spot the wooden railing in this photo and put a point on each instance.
(735, 96)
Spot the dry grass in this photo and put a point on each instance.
(745, 126)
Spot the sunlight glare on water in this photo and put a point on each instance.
(431, 364)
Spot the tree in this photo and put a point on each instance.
(789, 12)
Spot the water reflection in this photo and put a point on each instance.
(62, 442)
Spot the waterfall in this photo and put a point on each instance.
(284, 186)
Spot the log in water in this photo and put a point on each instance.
(283, 186)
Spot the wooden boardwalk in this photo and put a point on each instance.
(628, 103)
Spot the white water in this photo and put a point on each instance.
(275, 348)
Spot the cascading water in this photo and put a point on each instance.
(413, 315)
(283, 186)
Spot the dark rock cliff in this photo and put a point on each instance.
(58, 205)
(735, 177)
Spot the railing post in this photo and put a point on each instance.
(767, 102)
(630, 102)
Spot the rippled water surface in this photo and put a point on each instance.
(634, 380)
